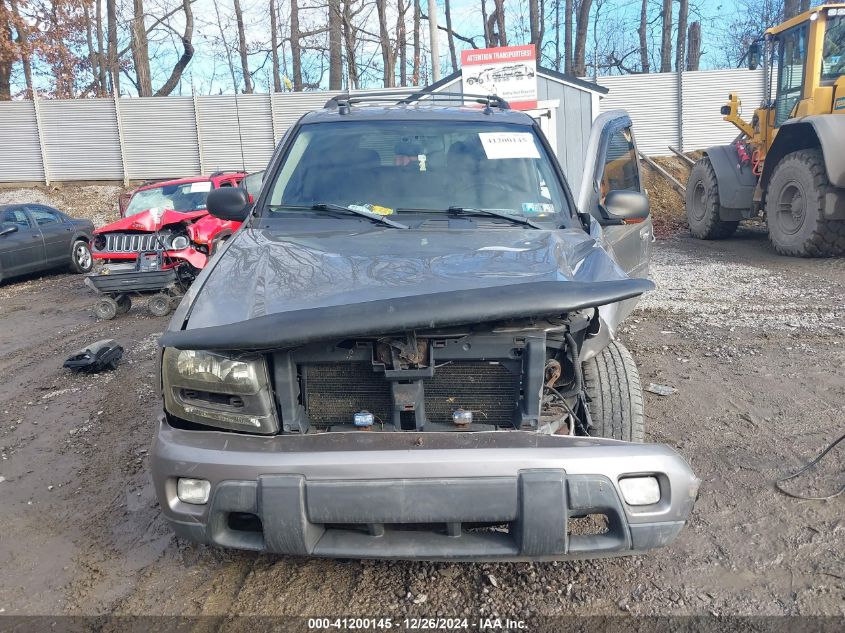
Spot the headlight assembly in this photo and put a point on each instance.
(230, 392)
(177, 242)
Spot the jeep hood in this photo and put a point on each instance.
(144, 221)
(273, 290)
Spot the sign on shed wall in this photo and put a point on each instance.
(509, 72)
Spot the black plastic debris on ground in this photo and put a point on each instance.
(96, 357)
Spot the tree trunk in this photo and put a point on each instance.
(579, 63)
(7, 57)
(274, 46)
(567, 36)
(387, 59)
(557, 35)
(681, 45)
(140, 51)
(534, 24)
(113, 62)
(402, 42)
(187, 53)
(487, 43)
(791, 8)
(804, 6)
(295, 47)
(500, 22)
(666, 37)
(642, 31)
(453, 56)
(101, 57)
(694, 46)
(23, 47)
(434, 41)
(415, 71)
(239, 17)
(92, 52)
(335, 46)
(350, 38)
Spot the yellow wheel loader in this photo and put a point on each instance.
(789, 160)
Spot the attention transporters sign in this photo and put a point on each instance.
(509, 72)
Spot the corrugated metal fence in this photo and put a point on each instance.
(133, 139)
(684, 115)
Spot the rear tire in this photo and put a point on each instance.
(81, 260)
(795, 208)
(106, 308)
(612, 383)
(703, 205)
(160, 305)
(124, 304)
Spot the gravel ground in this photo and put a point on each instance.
(97, 203)
(753, 343)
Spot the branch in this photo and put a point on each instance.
(457, 36)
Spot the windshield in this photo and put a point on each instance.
(833, 52)
(184, 197)
(393, 166)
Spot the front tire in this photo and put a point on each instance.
(795, 208)
(615, 396)
(106, 308)
(81, 260)
(160, 305)
(703, 205)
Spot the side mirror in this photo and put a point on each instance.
(228, 203)
(625, 207)
(753, 56)
(8, 229)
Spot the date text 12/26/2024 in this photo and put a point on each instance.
(415, 624)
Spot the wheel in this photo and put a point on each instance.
(703, 205)
(159, 305)
(124, 303)
(612, 383)
(795, 208)
(106, 308)
(81, 260)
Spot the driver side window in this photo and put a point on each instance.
(793, 53)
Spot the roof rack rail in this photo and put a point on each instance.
(343, 103)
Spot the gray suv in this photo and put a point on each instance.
(407, 351)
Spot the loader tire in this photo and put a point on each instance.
(615, 397)
(795, 208)
(703, 205)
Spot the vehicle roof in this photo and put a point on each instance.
(187, 180)
(363, 112)
(803, 17)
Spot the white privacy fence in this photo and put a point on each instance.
(683, 114)
(160, 137)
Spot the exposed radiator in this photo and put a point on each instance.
(334, 392)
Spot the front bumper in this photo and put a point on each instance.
(503, 495)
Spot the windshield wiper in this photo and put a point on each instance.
(337, 208)
(494, 213)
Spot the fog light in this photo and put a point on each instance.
(193, 491)
(640, 491)
(363, 419)
(461, 417)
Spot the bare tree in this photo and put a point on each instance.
(497, 33)
(535, 20)
(567, 37)
(642, 32)
(187, 53)
(335, 46)
(791, 8)
(274, 48)
(101, 57)
(24, 46)
(113, 61)
(694, 46)
(350, 40)
(681, 45)
(387, 53)
(239, 17)
(450, 35)
(666, 37)
(579, 62)
(140, 51)
(415, 71)
(402, 42)
(295, 46)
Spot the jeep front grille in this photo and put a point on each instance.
(133, 242)
(334, 392)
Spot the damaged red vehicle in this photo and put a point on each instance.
(169, 217)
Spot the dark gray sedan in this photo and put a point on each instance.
(35, 237)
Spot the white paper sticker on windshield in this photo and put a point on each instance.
(508, 145)
(197, 187)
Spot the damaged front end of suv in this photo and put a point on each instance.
(406, 378)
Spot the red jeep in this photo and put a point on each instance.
(183, 231)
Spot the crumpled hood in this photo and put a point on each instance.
(144, 221)
(265, 272)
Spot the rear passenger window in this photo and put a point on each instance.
(621, 169)
(15, 217)
(44, 216)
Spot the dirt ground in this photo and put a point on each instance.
(754, 344)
